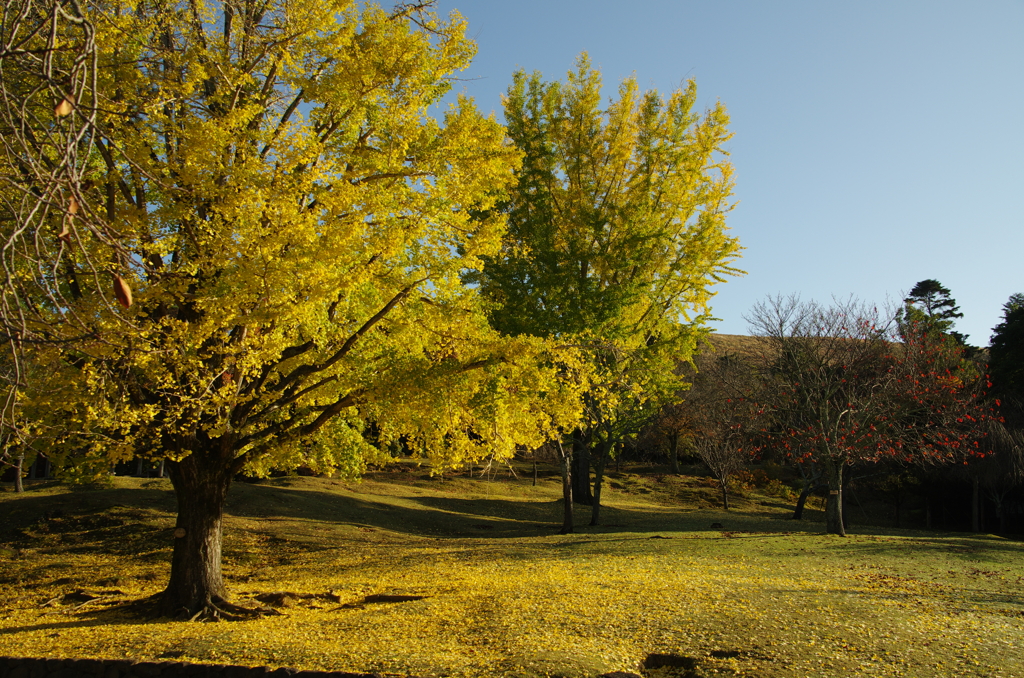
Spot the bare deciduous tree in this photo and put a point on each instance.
(718, 408)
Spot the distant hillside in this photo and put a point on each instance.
(732, 344)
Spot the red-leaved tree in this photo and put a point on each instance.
(845, 383)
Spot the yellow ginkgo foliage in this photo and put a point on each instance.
(291, 228)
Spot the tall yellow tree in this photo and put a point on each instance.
(616, 234)
(283, 228)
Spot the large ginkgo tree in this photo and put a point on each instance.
(262, 256)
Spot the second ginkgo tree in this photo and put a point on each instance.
(616, 233)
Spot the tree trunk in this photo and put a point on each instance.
(798, 514)
(898, 501)
(599, 464)
(196, 588)
(975, 505)
(580, 475)
(844, 493)
(18, 466)
(567, 517)
(997, 500)
(810, 482)
(724, 483)
(673, 453)
(834, 504)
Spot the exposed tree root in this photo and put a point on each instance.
(215, 608)
(80, 598)
(219, 609)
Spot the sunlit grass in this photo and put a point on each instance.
(504, 594)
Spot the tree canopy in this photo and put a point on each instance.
(285, 228)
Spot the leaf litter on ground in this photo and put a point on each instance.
(395, 575)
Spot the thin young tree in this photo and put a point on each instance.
(719, 407)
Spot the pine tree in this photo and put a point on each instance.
(930, 301)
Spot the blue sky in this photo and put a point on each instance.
(876, 143)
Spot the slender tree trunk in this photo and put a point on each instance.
(843, 495)
(673, 453)
(196, 588)
(581, 469)
(798, 513)
(834, 503)
(810, 482)
(975, 505)
(724, 483)
(567, 517)
(898, 502)
(599, 465)
(997, 499)
(18, 466)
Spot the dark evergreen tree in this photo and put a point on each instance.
(930, 301)
(1006, 352)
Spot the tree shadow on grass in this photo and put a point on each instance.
(29, 508)
(488, 518)
(110, 616)
(971, 548)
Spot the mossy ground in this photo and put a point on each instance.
(502, 592)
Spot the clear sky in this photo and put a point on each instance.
(877, 143)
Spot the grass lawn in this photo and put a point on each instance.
(499, 592)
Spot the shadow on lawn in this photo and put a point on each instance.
(127, 521)
(112, 616)
(435, 516)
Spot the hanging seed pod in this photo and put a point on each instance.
(122, 292)
(73, 206)
(65, 107)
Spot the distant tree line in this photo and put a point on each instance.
(848, 390)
